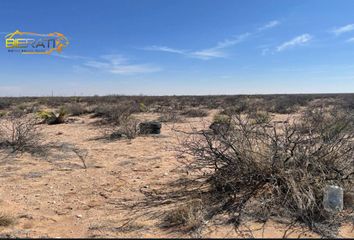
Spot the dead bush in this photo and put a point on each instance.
(195, 112)
(188, 216)
(75, 109)
(171, 116)
(6, 220)
(115, 114)
(127, 128)
(260, 117)
(261, 170)
(19, 132)
(284, 105)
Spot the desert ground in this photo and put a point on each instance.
(85, 185)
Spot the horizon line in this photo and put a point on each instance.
(179, 95)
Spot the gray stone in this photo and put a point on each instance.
(333, 198)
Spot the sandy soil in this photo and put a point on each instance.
(54, 196)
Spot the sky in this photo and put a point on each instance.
(181, 47)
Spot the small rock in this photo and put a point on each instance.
(165, 174)
(79, 216)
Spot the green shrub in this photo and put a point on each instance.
(142, 107)
(50, 118)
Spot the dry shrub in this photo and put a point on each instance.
(188, 216)
(195, 112)
(119, 120)
(129, 127)
(6, 220)
(19, 132)
(171, 116)
(259, 117)
(284, 105)
(115, 114)
(75, 109)
(260, 170)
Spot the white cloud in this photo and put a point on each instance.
(207, 54)
(72, 57)
(164, 49)
(270, 24)
(344, 29)
(134, 69)
(217, 51)
(351, 40)
(118, 64)
(231, 42)
(204, 54)
(299, 40)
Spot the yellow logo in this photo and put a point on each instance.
(35, 43)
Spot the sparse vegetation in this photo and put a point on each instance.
(171, 116)
(279, 170)
(247, 164)
(19, 132)
(115, 114)
(260, 117)
(195, 112)
(75, 109)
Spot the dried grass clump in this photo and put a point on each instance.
(188, 217)
(6, 220)
(261, 169)
(116, 113)
(171, 116)
(75, 109)
(195, 112)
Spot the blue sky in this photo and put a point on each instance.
(159, 47)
